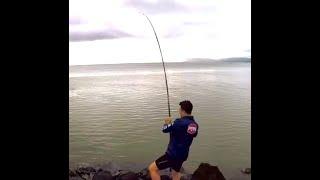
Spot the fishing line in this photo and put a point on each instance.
(164, 68)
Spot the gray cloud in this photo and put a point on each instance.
(161, 6)
(75, 21)
(168, 6)
(97, 35)
(191, 23)
(158, 7)
(180, 29)
(175, 32)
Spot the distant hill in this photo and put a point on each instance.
(225, 60)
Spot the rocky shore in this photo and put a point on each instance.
(112, 171)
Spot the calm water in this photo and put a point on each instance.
(116, 113)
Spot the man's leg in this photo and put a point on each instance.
(175, 175)
(154, 171)
(175, 171)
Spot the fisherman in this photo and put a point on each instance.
(182, 131)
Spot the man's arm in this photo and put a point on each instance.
(197, 131)
(168, 127)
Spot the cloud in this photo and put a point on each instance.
(156, 7)
(97, 35)
(174, 34)
(75, 21)
(171, 18)
(192, 23)
(208, 29)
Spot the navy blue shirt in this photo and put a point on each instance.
(182, 131)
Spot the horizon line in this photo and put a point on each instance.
(188, 61)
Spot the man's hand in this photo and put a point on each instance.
(167, 120)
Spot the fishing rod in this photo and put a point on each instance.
(164, 68)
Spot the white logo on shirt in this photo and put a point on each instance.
(192, 128)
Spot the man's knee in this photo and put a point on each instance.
(153, 167)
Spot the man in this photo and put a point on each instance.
(182, 131)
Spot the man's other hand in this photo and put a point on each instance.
(167, 120)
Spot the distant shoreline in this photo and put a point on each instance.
(189, 61)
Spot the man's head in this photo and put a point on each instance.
(185, 108)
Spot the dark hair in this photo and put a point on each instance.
(186, 106)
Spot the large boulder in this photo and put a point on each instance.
(207, 172)
(103, 175)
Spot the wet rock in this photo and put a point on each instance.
(128, 176)
(103, 175)
(112, 167)
(146, 178)
(207, 172)
(91, 169)
(99, 170)
(144, 174)
(186, 177)
(72, 174)
(87, 176)
(165, 177)
(80, 173)
(75, 178)
(85, 170)
(246, 171)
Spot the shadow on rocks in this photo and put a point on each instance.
(128, 176)
(103, 175)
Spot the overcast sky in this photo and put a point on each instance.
(114, 31)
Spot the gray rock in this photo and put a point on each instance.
(186, 177)
(75, 178)
(128, 176)
(86, 177)
(246, 171)
(112, 167)
(144, 174)
(103, 175)
(85, 170)
(72, 174)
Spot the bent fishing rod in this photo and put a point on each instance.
(164, 68)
